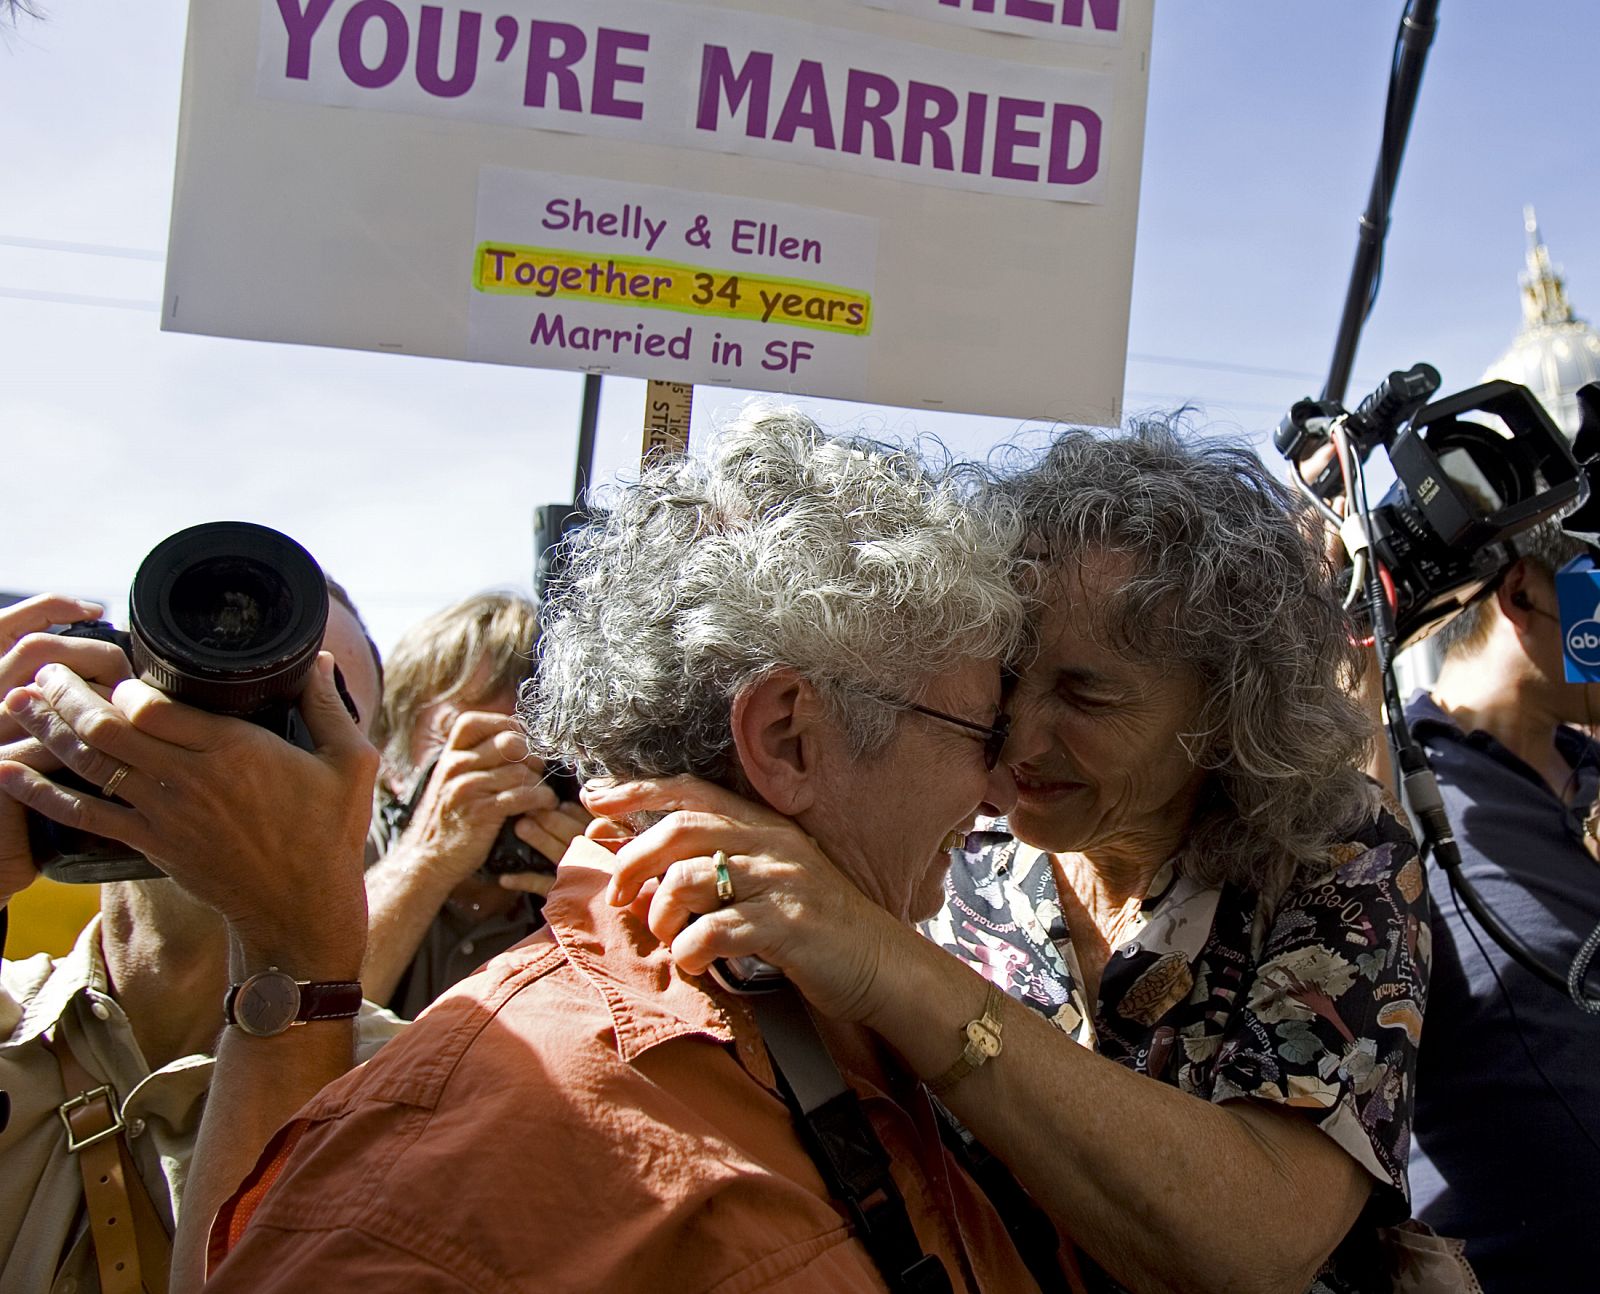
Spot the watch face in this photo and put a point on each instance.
(267, 1003)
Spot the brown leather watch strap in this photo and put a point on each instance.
(132, 1249)
(330, 1000)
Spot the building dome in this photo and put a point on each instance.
(1555, 353)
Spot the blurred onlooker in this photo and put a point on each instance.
(1508, 1092)
(435, 914)
(124, 1029)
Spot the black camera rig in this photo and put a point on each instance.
(1472, 470)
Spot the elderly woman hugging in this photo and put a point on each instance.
(1211, 935)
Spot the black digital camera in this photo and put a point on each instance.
(227, 617)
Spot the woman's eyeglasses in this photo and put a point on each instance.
(994, 735)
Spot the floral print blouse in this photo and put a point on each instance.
(1315, 1004)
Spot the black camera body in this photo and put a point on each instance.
(1462, 491)
(228, 617)
(1464, 485)
(509, 853)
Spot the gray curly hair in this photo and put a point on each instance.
(847, 561)
(1226, 582)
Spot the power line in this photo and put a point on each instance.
(85, 249)
(72, 299)
(1172, 398)
(1222, 366)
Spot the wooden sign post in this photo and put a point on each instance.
(666, 419)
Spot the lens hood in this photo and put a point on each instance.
(227, 616)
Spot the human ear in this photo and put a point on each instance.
(775, 735)
(1512, 597)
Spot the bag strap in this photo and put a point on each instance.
(841, 1142)
(132, 1249)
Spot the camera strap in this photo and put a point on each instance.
(131, 1247)
(841, 1142)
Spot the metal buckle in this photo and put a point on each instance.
(103, 1092)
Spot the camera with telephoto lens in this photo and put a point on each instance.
(1472, 470)
(227, 617)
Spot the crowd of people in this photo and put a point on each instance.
(977, 885)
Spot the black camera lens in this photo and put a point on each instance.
(1476, 457)
(227, 616)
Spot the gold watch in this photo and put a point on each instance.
(981, 1043)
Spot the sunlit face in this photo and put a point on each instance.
(883, 819)
(1094, 746)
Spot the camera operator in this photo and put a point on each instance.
(261, 840)
(1508, 1091)
(436, 913)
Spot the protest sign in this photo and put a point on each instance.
(1099, 21)
(868, 203)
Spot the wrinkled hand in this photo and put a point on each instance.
(269, 835)
(549, 831)
(25, 648)
(791, 906)
(484, 776)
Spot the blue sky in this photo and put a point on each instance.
(414, 481)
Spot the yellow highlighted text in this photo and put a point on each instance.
(664, 285)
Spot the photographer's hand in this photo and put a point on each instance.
(25, 648)
(244, 821)
(484, 776)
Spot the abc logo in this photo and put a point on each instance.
(1583, 642)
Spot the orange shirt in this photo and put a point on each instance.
(578, 1115)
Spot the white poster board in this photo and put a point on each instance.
(907, 202)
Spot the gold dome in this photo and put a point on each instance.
(1556, 352)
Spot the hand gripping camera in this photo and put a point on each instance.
(226, 616)
(509, 852)
(1472, 470)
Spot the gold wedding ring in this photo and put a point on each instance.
(719, 860)
(110, 788)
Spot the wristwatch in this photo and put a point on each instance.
(982, 1043)
(272, 1002)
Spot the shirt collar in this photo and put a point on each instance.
(1427, 718)
(1173, 926)
(1424, 714)
(649, 999)
(82, 969)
